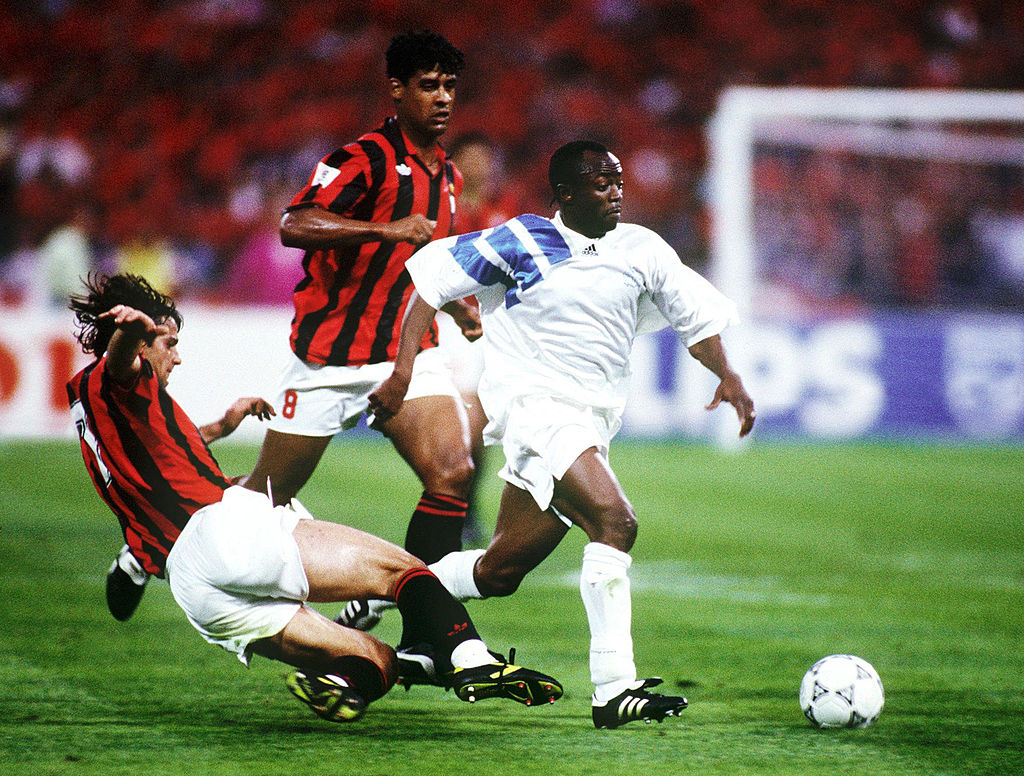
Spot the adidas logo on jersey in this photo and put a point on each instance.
(403, 169)
(590, 250)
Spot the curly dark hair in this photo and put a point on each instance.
(106, 291)
(418, 50)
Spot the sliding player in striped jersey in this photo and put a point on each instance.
(241, 568)
(562, 301)
(127, 576)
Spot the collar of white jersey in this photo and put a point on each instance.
(578, 241)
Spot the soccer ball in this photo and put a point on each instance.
(841, 691)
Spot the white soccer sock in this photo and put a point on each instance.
(455, 570)
(470, 654)
(604, 587)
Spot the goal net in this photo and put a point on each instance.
(831, 200)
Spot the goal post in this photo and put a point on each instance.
(887, 122)
(873, 241)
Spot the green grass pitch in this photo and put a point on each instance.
(749, 567)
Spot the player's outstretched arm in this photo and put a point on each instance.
(711, 354)
(237, 412)
(314, 228)
(134, 329)
(387, 399)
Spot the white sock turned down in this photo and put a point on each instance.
(470, 654)
(604, 587)
(455, 570)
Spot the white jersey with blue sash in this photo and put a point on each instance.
(560, 310)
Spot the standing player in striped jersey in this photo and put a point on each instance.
(366, 208)
(241, 568)
(562, 301)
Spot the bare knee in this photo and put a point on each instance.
(451, 475)
(497, 579)
(614, 525)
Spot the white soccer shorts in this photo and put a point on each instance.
(317, 400)
(543, 436)
(236, 572)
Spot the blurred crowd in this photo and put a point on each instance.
(165, 137)
(838, 230)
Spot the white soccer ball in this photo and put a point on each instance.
(841, 691)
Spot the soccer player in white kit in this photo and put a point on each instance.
(561, 301)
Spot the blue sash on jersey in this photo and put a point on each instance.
(521, 258)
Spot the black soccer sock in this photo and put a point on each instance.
(430, 615)
(362, 673)
(435, 528)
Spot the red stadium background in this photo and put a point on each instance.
(165, 137)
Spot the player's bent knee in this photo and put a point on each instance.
(496, 582)
(453, 477)
(628, 527)
(462, 474)
(615, 527)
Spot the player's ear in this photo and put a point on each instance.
(397, 88)
(563, 191)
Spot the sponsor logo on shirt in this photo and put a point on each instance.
(324, 174)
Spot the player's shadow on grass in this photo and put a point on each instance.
(419, 724)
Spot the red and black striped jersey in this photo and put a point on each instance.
(350, 304)
(146, 458)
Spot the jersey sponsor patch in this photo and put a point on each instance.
(325, 174)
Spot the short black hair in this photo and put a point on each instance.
(418, 50)
(102, 292)
(567, 162)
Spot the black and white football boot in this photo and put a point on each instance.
(638, 704)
